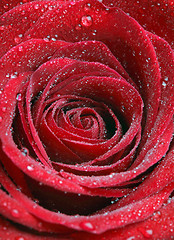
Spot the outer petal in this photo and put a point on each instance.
(158, 227)
(154, 16)
(143, 51)
(6, 5)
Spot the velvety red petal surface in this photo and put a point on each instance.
(86, 120)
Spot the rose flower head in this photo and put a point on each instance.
(86, 120)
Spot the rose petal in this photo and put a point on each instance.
(154, 16)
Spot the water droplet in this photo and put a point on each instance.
(78, 27)
(18, 64)
(50, 8)
(4, 109)
(86, 21)
(40, 224)
(20, 48)
(15, 213)
(87, 226)
(0, 119)
(147, 233)
(4, 228)
(87, 7)
(6, 6)
(13, 76)
(36, 6)
(18, 97)
(107, 9)
(166, 78)
(23, 12)
(164, 84)
(130, 238)
(72, 3)
(122, 108)
(19, 238)
(17, 39)
(30, 168)
(25, 151)
(7, 75)
(157, 215)
(46, 39)
(2, 27)
(4, 204)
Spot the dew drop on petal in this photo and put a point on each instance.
(86, 21)
(131, 238)
(13, 76)
(18, 97)
(72, 3)
(166, 78)
(19, 238)
(30, 168)
(23, 12)
(6, 6)
(18, 64)
(2, 27)
(40, 224)
(147, 233)
(7, 75)
(20, 48)
(164, 84)
(87, 7)
(46, 39)
(25, 151)
(4, 109)
(78, 27)
(50, 8)
(0, 119)
(4, 204)
(157, 215)
(36, 6)
(17, 39)
(15, 213)
(87, 226)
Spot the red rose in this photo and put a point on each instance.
(86, 121)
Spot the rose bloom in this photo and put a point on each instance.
(86, 120)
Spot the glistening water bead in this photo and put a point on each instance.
(87, 226)
(86, 21)
(18, 97)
